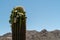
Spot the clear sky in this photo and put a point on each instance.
(41, 14)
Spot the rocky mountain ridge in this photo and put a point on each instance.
(35, 35)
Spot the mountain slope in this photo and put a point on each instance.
(34, 35)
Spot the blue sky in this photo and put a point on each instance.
(41, 14)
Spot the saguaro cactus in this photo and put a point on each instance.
(18, 23)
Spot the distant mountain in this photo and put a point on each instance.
(35, 35)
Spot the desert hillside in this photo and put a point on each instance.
(35, 35)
